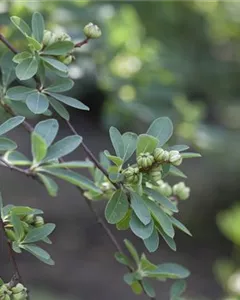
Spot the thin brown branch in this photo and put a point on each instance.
(80, 44)
(17, 276)
(7, 44)
(14, 168)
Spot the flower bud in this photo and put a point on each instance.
(49, 38)
(20, 296)
(181, 191)
(145, 160)
(166, 155)
(39, 221)
(64, 37)
(92, 31)
(6, 297)
(29, 219)
(18, 288)
(158, 154)
(155, 173)
(68, 59)
(164, 188)
(11, 235)
(175, 157)
(131, 175)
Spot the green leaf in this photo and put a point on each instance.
(38, 253)
(69, 101)
(39, 147)
(33, 44)
(117, 207)
(48, 130)
(178, 148)
(27, 68)
(37, 102)
(146, 143)
(7, 70)
(59, 108)
(180, 226)
(117, 142)
(74, 178)
(10, 124)
(169, 270)
(177, 289)
(59, 48)
(71, 165)
(21, 210)
(171, 243)
(149, 290)
(145, 264)
(115, 159)
(60, 86)
(19, 93)
(49, 184)
(16, 248)
(37, 234)
(17, 226)
(55, 64)
(7, 144)
(136, 288)
(140, 208)
(21, 25)
(132, 250)
(190, 155)
(21, 56)
(139, 229)
(161, 217)
(129, 278)
(63, 147)
(176, 172)
(130, 144)
(162, 129)
(16, 158)
(165, 170)
(124, 223)
(122, 259)
(38, 26)
(152, 242)
(164, 201)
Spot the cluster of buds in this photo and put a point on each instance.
(181, 191)
(50, 38)
(9, 292)
(173, 156)
(28, 221)
(131, 175)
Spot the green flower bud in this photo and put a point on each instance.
(6, 297)
(64, 37)
(155, 173)
(49, 38)
(175, 157)
(11, 235)
(29, 219)
(25, 227)
(68, 59)
(164, 188)
(20, 296)
(131, 174)
(166, 155)
(158, 154)
(145, 160)
(92, 31)
(181, 191)
(18, 288)
(39, 221)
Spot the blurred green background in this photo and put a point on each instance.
(168, 58)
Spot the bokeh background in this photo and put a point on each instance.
(179, 59)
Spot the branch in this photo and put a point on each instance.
(29, 128)
(16, 278)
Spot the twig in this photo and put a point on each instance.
(80, 44)
(7, 44)
(17, 276)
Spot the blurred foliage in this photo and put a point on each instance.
(227, 270)
(179, 59)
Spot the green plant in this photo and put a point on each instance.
(137, 196)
